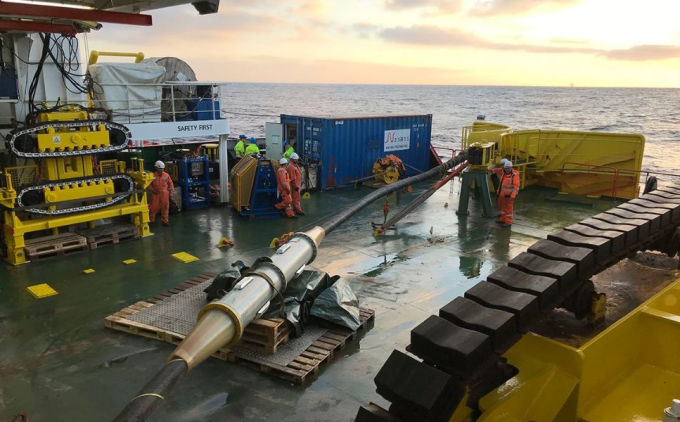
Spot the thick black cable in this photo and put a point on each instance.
(334, 221)
(153, 393)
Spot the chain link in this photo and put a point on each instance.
(82, 207)
(71, 153)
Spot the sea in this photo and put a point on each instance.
(652, 112)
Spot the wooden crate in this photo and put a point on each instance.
(265, 335)
(57, 244)
(109, 233)
(277, 330)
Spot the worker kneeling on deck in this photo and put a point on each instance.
(240, 147)
(161, 190)
(507, 191)
(283, 185)
(295, 176)
(252, 148)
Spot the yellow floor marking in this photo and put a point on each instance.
(184, 257)
(40, 291)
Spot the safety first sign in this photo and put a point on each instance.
(397, 139)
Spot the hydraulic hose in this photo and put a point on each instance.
(333, 222)
(153, 393)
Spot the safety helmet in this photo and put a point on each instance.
(242, 137)
(503, 161)
(253, 140)
(159, 164)
(507, 164)
(294, 156)
(286, 142)
(283, 161)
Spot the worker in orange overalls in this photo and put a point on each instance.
(508, 188)
(161, 190)
(295, 176)
(283, 185)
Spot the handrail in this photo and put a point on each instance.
(94, 55)
(616, 172)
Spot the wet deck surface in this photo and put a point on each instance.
(58, 362)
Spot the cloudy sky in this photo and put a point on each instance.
(457, 42)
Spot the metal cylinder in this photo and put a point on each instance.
(221, 322)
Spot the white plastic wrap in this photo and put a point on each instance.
(131, 90)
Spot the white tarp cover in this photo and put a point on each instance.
(131, 90)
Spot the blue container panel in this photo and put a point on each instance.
(347, 148)
(203, 109)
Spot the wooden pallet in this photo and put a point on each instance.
(300, 370)
(109, 233)
(57, 244)
(307, 364)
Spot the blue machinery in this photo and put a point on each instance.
(263, 195)
(194, 179)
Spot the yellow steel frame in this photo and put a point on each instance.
(78, 191)
(82, 138)
(15, 227)
(630, 371)
(583, 163)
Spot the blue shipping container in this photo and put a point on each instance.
(347, 147)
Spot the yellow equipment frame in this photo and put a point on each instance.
(15, 228)
(582, 163)
(630, 371)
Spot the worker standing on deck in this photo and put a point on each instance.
(289, 150)
(295, 176)
(283, 186)
(508, 189)
(252, 147)
(162, 189)
(240, 147)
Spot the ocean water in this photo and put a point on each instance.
(654, 113)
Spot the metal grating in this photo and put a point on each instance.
(178, 314)
(23, 175)
(108, 167)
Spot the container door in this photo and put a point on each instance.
(274, 137)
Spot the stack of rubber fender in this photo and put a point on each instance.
(460, 349)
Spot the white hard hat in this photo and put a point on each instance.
(507, 164)
(503, 161)
(294, 156)
(283, 161)
(159, 164)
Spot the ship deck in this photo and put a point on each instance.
(58, 362)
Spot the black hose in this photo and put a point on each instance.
(334, 221)
(153, 393)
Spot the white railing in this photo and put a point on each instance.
(165, 102)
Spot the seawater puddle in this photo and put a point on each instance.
(387, 262)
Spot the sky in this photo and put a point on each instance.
(621, 43)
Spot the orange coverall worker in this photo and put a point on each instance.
(161, 189)
(283, 185)
(296, 185)
(507, 192)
